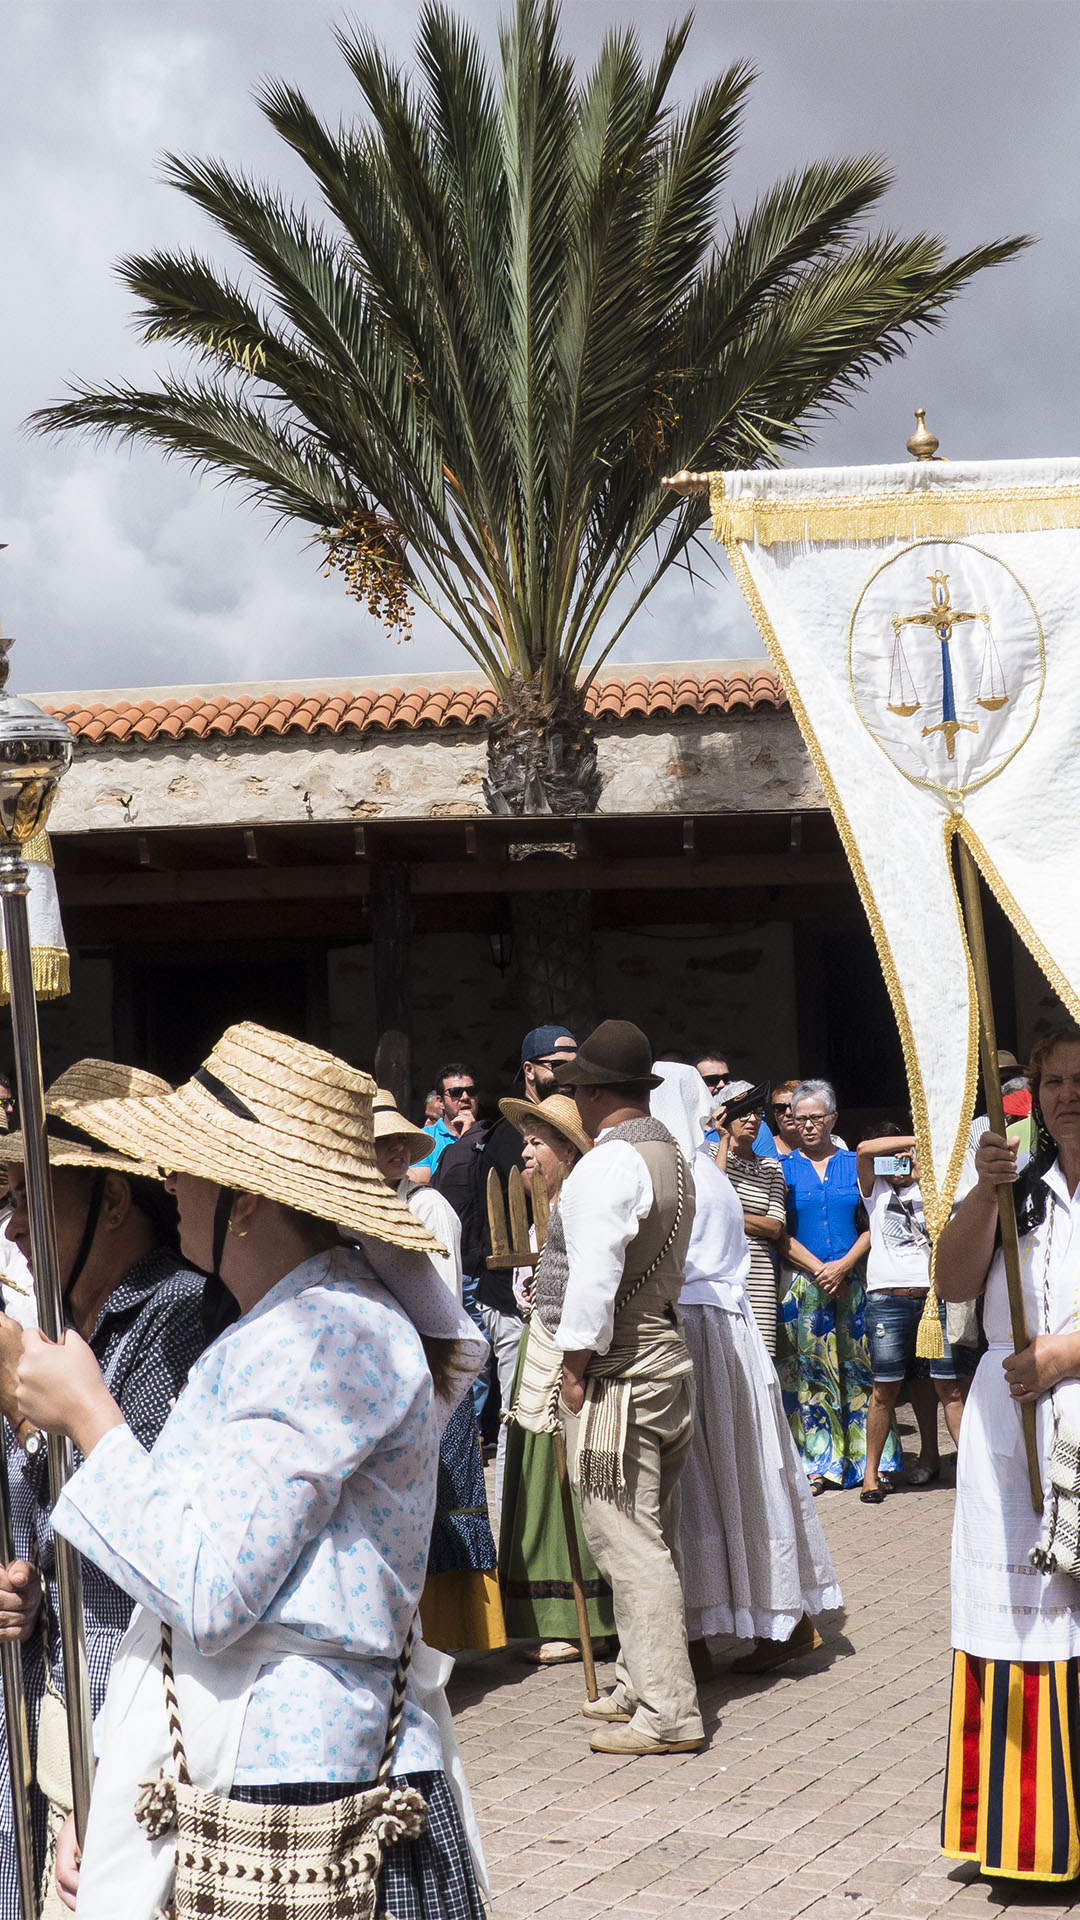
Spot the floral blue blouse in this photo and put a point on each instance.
(294, 1484)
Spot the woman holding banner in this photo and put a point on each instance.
(1012, 1782)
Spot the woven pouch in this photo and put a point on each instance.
(237, 1861)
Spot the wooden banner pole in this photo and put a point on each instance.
(1010, 1239)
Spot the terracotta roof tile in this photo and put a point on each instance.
(618, 697)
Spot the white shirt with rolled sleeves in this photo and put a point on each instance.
(602, 1205)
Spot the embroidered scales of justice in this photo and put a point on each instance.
(943, 619)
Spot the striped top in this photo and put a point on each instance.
(760, 1186)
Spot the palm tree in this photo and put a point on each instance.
(516, 309)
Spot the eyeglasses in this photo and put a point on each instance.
(459, 1093)
(811, 1119)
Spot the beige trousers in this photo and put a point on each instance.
(636, 1548)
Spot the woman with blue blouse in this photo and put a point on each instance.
(822, 1355)
(279, 1525)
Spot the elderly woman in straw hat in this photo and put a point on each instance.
(534, 1565)
(277, 1532)
(460, 1605)
(142, 1310)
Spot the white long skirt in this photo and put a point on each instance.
(754, 1555)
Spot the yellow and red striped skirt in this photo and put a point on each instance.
(1011, 1771)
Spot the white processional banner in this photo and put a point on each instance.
(925, 621)
(48, 949)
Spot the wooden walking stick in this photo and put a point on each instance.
(513, 1248)
(1010, 1239)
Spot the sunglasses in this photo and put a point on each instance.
(713, 1081)
(778, 1108)
(459, 1093)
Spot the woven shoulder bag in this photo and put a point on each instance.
(238, 1861)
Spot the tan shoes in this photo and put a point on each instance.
(606, 1708)
(627, 1740)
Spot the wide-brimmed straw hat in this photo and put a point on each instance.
(270, 1115)
(557, 1112)
(70, 1145)
(616, 1054)
(390, 1124)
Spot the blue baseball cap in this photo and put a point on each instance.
(543, 1041)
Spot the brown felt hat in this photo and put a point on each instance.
(616, 1054)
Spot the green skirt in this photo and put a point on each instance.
(534, 1565)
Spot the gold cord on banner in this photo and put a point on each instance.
(933, 511)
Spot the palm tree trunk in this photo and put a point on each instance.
(542, 754)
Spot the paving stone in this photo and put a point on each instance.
(817, 1799)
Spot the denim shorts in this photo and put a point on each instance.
(892, 1326)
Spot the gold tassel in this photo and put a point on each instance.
(930, 1341)
(52, 974)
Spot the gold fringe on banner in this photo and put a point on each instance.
(39, 849)
(52, 974)
(933, 512)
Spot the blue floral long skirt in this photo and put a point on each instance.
(823, 1361)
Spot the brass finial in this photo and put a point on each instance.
(684, 482)
(923, 444)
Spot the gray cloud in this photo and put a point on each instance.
(126, 571)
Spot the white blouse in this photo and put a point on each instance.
(1001, 1607)
(294, 1485)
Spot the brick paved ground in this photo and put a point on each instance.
(818, 1794)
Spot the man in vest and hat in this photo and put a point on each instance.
(616, 1247)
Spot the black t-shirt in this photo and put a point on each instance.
(461, 1177)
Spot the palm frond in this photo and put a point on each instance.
(511, 305)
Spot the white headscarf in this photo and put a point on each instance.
(718, 1257)
(682, 1103)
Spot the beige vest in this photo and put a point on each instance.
(651, 1312)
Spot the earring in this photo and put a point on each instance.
(240, 1233)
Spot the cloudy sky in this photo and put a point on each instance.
(123, 571)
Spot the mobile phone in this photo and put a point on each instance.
(886, 1164)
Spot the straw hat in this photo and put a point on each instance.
(70, 1145)
(557, 1112)
(390, 1124)
(270, 1115)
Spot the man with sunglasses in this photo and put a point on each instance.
(462, 1176)
(456, 1088)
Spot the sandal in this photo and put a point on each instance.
(872, 1496)
(552, 1653)
(818, 1484)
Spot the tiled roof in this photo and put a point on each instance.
(632, 696)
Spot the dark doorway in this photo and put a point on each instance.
(180, 1010)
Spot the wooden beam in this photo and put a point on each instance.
(391, 933)
(429, 879)
(258, 849)
(654, 871)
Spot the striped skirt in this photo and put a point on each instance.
(1011, 1771)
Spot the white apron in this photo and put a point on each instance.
(1002, 1608)
(122, 1870)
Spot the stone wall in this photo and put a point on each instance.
(748, 762)
(689, 988)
